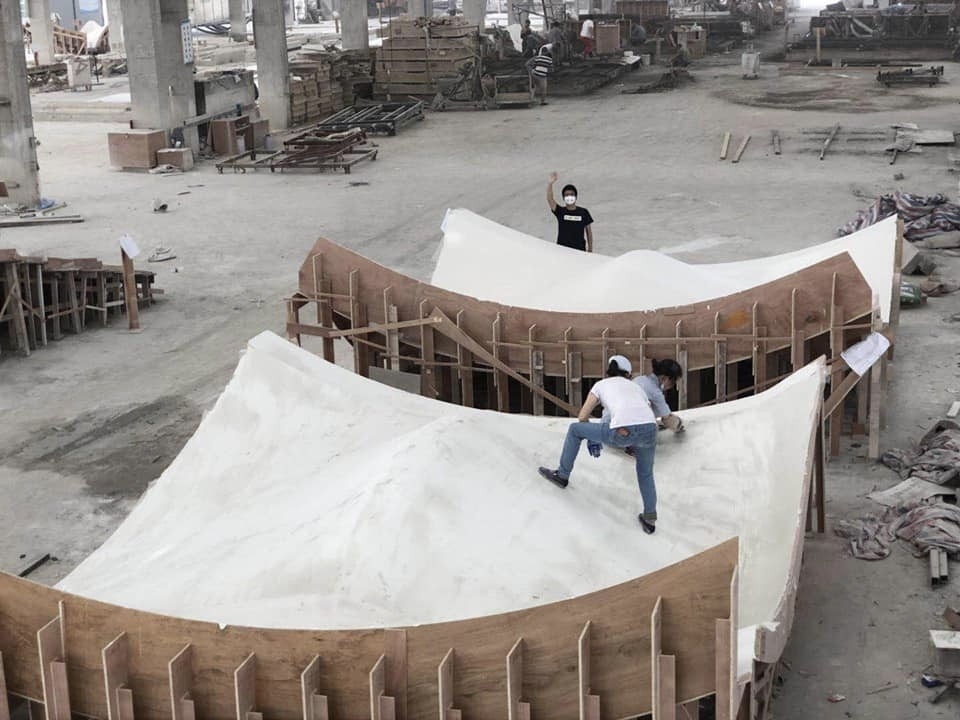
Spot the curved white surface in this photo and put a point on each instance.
(311, 497)
(489, 261)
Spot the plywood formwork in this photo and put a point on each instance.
(102, 660)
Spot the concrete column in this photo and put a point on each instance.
(353, 26)
(273, 77)
(475, 12)
(161, 84)
(289, 14)
(41, 30)
(420, 8)
(114, 11)
(238, 20)
(18, 151)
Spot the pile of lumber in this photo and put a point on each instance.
(42, 297)
(323, 83)
(417, 54)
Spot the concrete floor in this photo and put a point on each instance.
(92, 419)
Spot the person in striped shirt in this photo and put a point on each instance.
(540, 66)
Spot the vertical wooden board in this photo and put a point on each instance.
(124, 703)
(24, 607)
(445, 687)
(50, 644)
(723, 670)
(514, 671)
(4, 703)
(180, 677)
(325, 319)
(55, 302)
(41, 306)
(583, 668)
(667, 700)
(536, 376)
(245, 686)
(377, 685)
(15, 308)
(74, 302)
(465, 361)
(320, 709)
(61, 692)
(395, 680)
(116, 657)
(388, 707)
(575, 365)
(655, 649)
(876, 400)
(130, 293)
(361, 351)
(309, 686)
(500, 378)
(26, 291)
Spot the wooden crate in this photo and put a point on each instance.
(135, 148)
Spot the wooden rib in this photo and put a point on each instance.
(392, 338)
(245, 687)
(605, 352)
(836, 377)
(655, 648)
(51, 649)
(796, 340)
(876, 401)
(536, 370)
(499, 377)
(13, 300)
(589, 702)
(395, 679)
(41, 305)
(683, 383)
(668, 688)
(180, 675)
(314, 704)
(719, 361)
(429, 386)
(894, 323)
(116, 662)
(125, 703)
(465, 363)
(516, 708)
(641, 352)
(61, 691)
(55, 279)
(377, 687)
(445, 675)
(325, 319)
(575, 365)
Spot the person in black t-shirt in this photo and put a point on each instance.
(574, 224)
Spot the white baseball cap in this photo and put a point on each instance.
(622, 363)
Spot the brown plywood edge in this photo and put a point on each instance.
(695, 591)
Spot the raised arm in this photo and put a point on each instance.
(551, 203)
(590, 238)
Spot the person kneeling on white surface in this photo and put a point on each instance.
(632, 424)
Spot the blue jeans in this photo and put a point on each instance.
(643, 440)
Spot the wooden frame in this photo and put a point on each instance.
(168, 665)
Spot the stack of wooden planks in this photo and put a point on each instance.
(40, 297)
(417, 54)
(313, 95)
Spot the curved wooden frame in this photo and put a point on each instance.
(600, 655)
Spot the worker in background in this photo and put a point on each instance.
(574, 224)
(557, 42)
(586, 37)
(452, 7)
(631, 424)
(540, 66)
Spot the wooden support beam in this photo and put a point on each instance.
(445, 677)
(516, 708)
(391, 316)
(4, 703)
(429, 382)
(325, 319)
(589, 702)
(575, 370)
(55, 279)
(395, 680)
(41, 306)
(245, 688)
(689, 710)
(726, 655)
(74, 302)
(536, 371)
(836, 128)
(796, 342)
(499, 377)
(130, 292)
(116, 672)
(14, 304)
(894, 323)
(101, 289)
(180, 673)
(465, 362)
(53, 668)
(683, 384)
(605, 352)
(663, 681)
(819, 478)
(719, 361)
(315, 705)
(293, 321)
(450, 330)
(26, 290)
(836, 376)
(382, 706)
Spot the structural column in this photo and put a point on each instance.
(420, 8)
(41, 30)
(475, 12)
(273, 77)
(18, 146)
(353, 26)
(161, 82)
(238, 20)
(115, 21)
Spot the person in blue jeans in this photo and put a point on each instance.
(632, 424)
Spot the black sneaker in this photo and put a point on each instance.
(648, 527)
(554, 477)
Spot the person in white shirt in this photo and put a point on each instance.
(586, 37)
(632, 424)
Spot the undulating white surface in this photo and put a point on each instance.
(311, 497)
(542, 275)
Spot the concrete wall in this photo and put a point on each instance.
(18, 152)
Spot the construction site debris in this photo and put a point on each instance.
(375, 119)
(830, 138)
(32, 564)
(910, 294)
(923, 216)
(924, 525)
(930, 76)
(935, 459)
(308, 151)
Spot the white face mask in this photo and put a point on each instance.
(570, 199)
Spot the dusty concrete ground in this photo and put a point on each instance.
(92, 419)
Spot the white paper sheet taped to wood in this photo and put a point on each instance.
(311, 497)
(489, 261)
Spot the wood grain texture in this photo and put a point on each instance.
(695, 592)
